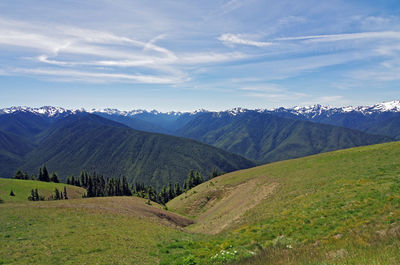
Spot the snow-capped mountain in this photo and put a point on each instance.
(47, 111)
(313, 111)
(309, 112)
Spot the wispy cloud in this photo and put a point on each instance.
(342, 37)
(85, 51)
(96, 77)
(230, 39)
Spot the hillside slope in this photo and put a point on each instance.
(24, 124)
(337, 199)
(110, 148)
(13, 149)
(267, 138)
(22, 189)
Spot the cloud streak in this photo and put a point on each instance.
(344, 37)
(85, 51)
(231, 39)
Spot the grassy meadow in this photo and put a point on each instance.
(346, 201)
(113, 230)
(341, 207)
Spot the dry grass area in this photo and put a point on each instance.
(216, 209)
(128, 206)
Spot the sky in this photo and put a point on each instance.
(187, 55)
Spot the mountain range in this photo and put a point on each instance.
(382, 118)
(153, 147)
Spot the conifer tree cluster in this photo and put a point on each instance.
(170, 191)
(43, 175)
(35, 196)
(59, 195)
(98, 186)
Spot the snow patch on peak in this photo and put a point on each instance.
(393, 106)
(236, 111)
(48, 111)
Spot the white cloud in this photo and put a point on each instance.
(96, 77)
(349, 36)
(89, 50)
(230, 39)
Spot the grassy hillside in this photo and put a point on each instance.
(341, 207)
(22, 189)
(110, 148)
(267, 138)
(111, 230)
(346, 203)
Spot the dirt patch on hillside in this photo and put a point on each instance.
(131, 206)
(224, 210)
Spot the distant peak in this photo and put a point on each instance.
(310, 111)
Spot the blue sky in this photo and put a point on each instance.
(187, 55)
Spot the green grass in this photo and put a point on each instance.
(22, 189)
(331, 199)
(334, 208)
(83, 231)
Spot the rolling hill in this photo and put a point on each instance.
(22, 189)
(111, 148)
(339, 207)
(267, 138)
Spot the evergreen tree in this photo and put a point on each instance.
(125, 187)
(54, 178)
(56, 194)
(36, 195)
(45, 173)
(32, 196)
(19, 174)
(171, 192)
(178, 190)
(65, 193)
(214, 173)
(40, 177)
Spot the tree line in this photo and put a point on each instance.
(42, 176)
(99, 186)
